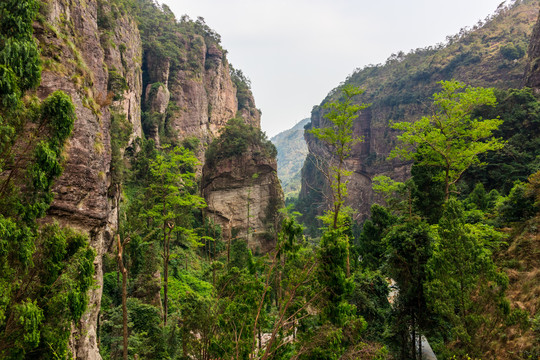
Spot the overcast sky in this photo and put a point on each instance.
(296, 51)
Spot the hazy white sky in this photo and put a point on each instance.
(296, 51)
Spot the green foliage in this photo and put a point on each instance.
(117, 84)
(370, 244)
(121, 130)
(464, 282)
(312, 198)
(519, 205)
(172, 178)
(510, 51)
(18, 49)
(243, 89)
(428, 192)
(333, 264)
(235, 139)
(40, 303)
(237, 304)
(370, 296)
(520, 112)
(164, 37)
(409, 247)
(46, 270)
(451, 139)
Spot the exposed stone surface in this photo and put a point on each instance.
(233, 186)
(375, 140)
(84, 196)
(81, 59)
(205, 100)
(532, 73)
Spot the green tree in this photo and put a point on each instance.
(339, 136)
(409, 247)
(451, 138)
(370, 243)
(520, 157)
(464, 286)
(170, 193)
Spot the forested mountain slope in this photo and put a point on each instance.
(491, 53)
(292, 150)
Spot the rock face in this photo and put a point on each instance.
(80, 65)
(243, 195)
(194, 104)
(376, 140)
(532, 72)
(401, 90)
(101, 64)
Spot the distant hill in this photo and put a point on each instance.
(292, 151)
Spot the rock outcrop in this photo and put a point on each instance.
(195, 101)
(532, 72)
(243, 195)
(81, 62)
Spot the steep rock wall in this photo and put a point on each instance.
(362, 162)
(532, 72)
(243, 195)
(196, 100)
(79, 60)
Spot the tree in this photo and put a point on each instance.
(339, 136)
(170, 194)
(408, 252)
(463, 285)
(122, 268)
(520, 111)
(451, 139)
(370, 244)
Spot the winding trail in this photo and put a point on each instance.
(427, 352)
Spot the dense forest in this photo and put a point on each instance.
(449, 254)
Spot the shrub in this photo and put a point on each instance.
(235, 139)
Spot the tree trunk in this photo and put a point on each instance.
(124, 314)
(123, 270)
(348, 258)
(166, 257)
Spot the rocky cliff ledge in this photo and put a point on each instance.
(532, 72)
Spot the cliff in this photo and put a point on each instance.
(127, 83)
(532, 73)
(80, 62)
(241, 186)
(491, 54)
